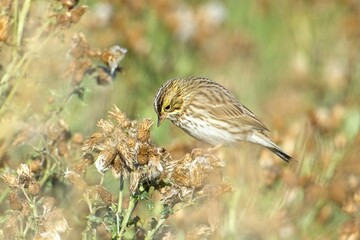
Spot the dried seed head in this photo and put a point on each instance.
(350, 230)
(74, 178)
(11, 230)
(26, 209)
(24, 175)
(81, 166)
(135, 178)
(48, 204)
(126, 153)
(194, 168)
(77, 13)
(119, 117)
(15, 201)
(34, 188)
(35, 165)
(105, 159)
(53, 223)
(58, 131)
(215, 190)
(119, 168)
(69, 4)
(78, 139)
(93, 142)
(10, 180)
(200, 232)
(107, 127)
(104, 194)
(143, 155)
(62, 148)
(113, 56)
(124, 147)
(23, 169)
(143, 133)
(66, 19)
(155, 164)
(104, 77)
(79, 47)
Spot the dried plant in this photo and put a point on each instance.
(32, 215)
(60, 58)
(124, 146)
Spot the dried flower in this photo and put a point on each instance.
(105, 159)
(143, 133)
(48, 204)
(11, 230)
(113, 56)
(52, 224)
(26, 210)
(69, 4)
(73, 15)
(24, 175)
(200, 232)
(104, 76)
(82, 165)
(34, 188)
(15, 201)
(104, 194)
(194, 168)
(78, 138)
(124, 146)
(35, 165)
(76, 180)
(10, 180)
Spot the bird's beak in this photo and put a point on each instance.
(160, 119)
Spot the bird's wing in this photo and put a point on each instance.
(231, 110)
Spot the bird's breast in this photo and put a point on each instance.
(205, 131)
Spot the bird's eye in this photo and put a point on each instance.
(167, 108)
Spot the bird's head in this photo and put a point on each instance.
(168, 102)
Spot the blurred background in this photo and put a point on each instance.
(295, 64)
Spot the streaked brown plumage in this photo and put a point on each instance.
(210, 113)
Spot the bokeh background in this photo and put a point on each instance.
(296, 64)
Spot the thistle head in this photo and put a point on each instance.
(169, 101)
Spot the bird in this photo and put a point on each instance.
(207, 111)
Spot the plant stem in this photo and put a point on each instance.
(126, 219)
(152, 232)
(21, 21)
(119, 206)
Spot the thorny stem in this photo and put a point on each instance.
(126, 219)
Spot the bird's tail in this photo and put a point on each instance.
(262, 139)
(278, 151)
